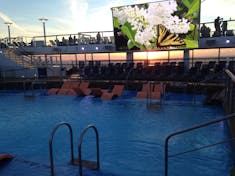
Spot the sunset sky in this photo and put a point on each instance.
(73, 16)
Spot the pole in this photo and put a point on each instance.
(44, 33)
(9, 31)
(43, 20)
(9, 34)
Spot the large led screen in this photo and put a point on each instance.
(157, 25)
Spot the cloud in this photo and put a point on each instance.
(79, 9)
(5, 18)
(99, 18)
(220, 8)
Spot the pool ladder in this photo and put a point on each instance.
(230, 118)
(149, 101)
(77, 162)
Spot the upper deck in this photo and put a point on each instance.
(86, 42)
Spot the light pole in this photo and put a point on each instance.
(43, 20)
(9, 31)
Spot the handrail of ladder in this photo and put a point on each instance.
(230, 74)
(51, 144)
(227, 117)
(80, 147)
(127, 77)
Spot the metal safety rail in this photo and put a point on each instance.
(51, 144)
(80, 147)
(229, 103)
(228, 117)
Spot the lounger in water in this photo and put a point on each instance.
(53, 91)
(152, 91)
(68, 88)
(65, 88)
(97, 92)
(159, 90)
(5, 157)
(116, 92)
(83, 89)
(145, 91)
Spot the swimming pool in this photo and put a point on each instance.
(131, 134)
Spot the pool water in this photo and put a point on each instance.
(131, 134)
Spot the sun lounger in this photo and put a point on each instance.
(53, 91)
(4, 157)
(83, 89)
(97, 92)
(116, 92)
(152, 91)
(66, 85)
(145, 91)
(72, 88)
(156, 93)
(68, 88)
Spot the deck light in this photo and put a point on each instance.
(227, 41)
(43, 20)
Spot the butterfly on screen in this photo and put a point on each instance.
(166, 39)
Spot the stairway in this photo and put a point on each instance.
(21, 60)
(15, 66)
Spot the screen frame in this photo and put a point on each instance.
(196, 24)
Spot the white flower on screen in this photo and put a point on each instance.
(178, 26)
(144, 37)
(120, 15)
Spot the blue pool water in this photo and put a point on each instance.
(131, 134)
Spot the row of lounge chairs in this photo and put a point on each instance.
(82, 88)
(211, 71)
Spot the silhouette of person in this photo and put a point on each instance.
(98, 38)
(74, 40)
(205, 31)
(63, 41)
(224, 27)
(217, 23)
(120, 40)
(70, 40)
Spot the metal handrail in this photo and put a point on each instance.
(80, 147)
(231, 75)
(230, 116)
(149, 92)
(51, 142)
(127, 77)
(229, 92)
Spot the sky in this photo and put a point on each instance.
(73, 16)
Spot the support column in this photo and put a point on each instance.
(76, 60)
(109, 59)
(129, 56)
(61, 66)
(186, 59)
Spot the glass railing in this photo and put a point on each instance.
(106, 37)
(208, 29)
(81, 38)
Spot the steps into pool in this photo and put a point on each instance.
(20, 166)
(92, 165)
(76, 162)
